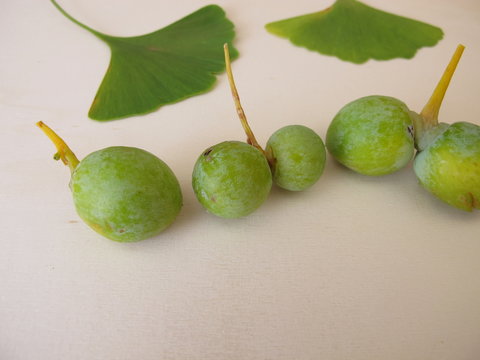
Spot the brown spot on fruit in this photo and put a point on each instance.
(206, 154)
(410, 131)
(98, 228)
(474, 202)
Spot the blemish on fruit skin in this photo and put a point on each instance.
(98, 228)
(207, 156)
(473, 203)
(410, 131)
(467, 199)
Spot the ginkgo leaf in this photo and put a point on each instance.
(355, 32)
(162, 67)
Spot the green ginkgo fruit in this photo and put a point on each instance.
(448, 160)
(124, 193)
(372, 135)
(232, 179)
(298, 157)
(162, 67)
(355, 32)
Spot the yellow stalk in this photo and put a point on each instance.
(241, 114)
(432, 108)
(63, 151)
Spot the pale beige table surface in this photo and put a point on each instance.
(354, 268)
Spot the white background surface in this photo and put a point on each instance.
(354, 268)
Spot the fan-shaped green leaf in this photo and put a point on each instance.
(353, 31)
(163, 67)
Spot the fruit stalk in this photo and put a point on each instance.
(63, 153)
(432, 108)
(241, 114)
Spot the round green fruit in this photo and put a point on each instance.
(125, 194)
(231, 179)
(298, 155)
(450, 166)
(372, 135)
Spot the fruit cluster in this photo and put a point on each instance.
(128, 194)
(378, 135)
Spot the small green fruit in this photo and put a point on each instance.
(125, 194)
(448, 159)
(298, 157)
(372, 135)
(450, 166)
(231, 179)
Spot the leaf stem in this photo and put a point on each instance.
(432, 108)
(241, 114)
(63, 151)
(68, 16)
